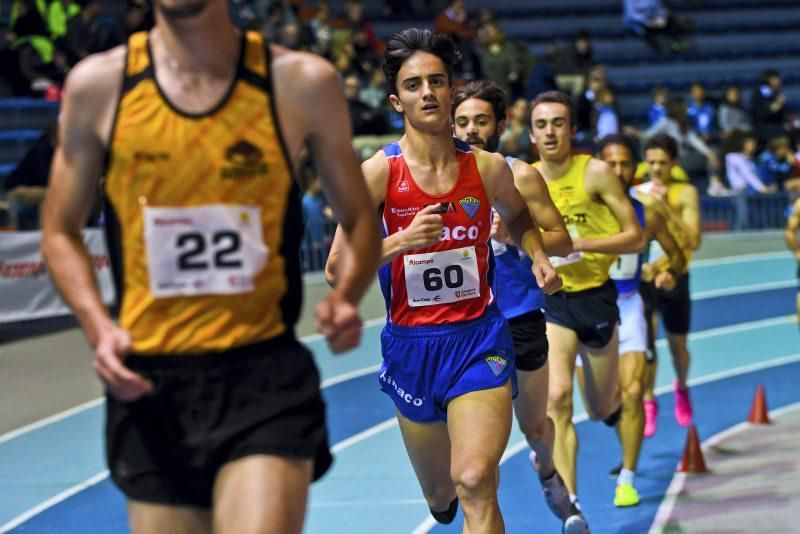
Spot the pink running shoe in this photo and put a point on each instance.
(650, 415)
(683, 406)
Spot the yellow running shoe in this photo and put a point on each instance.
(626, 495)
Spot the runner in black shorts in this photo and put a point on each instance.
(215, 418)
(681, 205)
(477, 107)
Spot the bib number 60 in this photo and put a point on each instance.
(433, 279)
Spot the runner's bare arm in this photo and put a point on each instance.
(376, 171)
(87, 109)
(602, 185)
(315, 87)
(498, 181)
(690, 216)
(657, 227)
(533, 189)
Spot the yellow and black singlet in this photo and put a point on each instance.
(203, 214)
(584, 218)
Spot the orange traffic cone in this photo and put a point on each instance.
(692, 460)
(758, 412)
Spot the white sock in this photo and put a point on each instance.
(625, 476)
(573, 498)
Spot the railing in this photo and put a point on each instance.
(745, 212)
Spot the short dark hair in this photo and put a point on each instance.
(618, 139)
(664, 142)
(404, 44)
(766, 74)
(487, 91)
(555, 97)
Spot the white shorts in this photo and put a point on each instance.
(632, 325)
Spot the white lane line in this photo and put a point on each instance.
(736, 290)
(52, 419)
(365, 434)
(370, 503)
(732, 329)
(740, 258)
(344, 377)
(679, 479)
(378, 321)
(64, 495)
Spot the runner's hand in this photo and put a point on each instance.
(665, 281)
(648, 272)
(546, 276)
(113, 345)
(338, 320)
(425, 229)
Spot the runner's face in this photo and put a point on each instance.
(475, 123)
(551, 130)
(620, 159)
(423, 93)
(660, 164)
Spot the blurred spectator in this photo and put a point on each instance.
(321, 29)
(653, 22)
(516, 140)
(138, 17)
(276, 16)
(701, 112)
(83, 32)
(740, 165)
(366, 121)
(398, 9)
(356, 37)
(26, 185)
(294, 36)
(37, 63)
(658, 109)
(775, 164)
(375, 93)
(572, 63)
(607, 122)
(694, 156)
(585, 107)
(769, 106)
(502, 61)
(314, 205)
(731, 114)
(542, 76)
(452, 21)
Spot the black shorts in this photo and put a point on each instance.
(208, 410)
(592, 313)
(675, 306)
(529, 332)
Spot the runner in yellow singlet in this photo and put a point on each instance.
(683, 220)
(214, 414)
(583, 317)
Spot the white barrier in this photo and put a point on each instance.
(26, 290)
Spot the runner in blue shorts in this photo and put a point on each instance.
(448, 353)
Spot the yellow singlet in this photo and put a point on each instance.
(584, 218)
(203, 214)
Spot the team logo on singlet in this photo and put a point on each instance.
(244, 160)
(497, 364)
(402, 186)
(470, 205)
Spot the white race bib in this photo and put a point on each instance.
(498, 248)
(442, 277)
(216, 249)
(624, 268)
(655, 251)
(558, 261)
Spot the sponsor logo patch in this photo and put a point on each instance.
(470, 205)
(497, 364)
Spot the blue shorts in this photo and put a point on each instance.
(425, 367)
